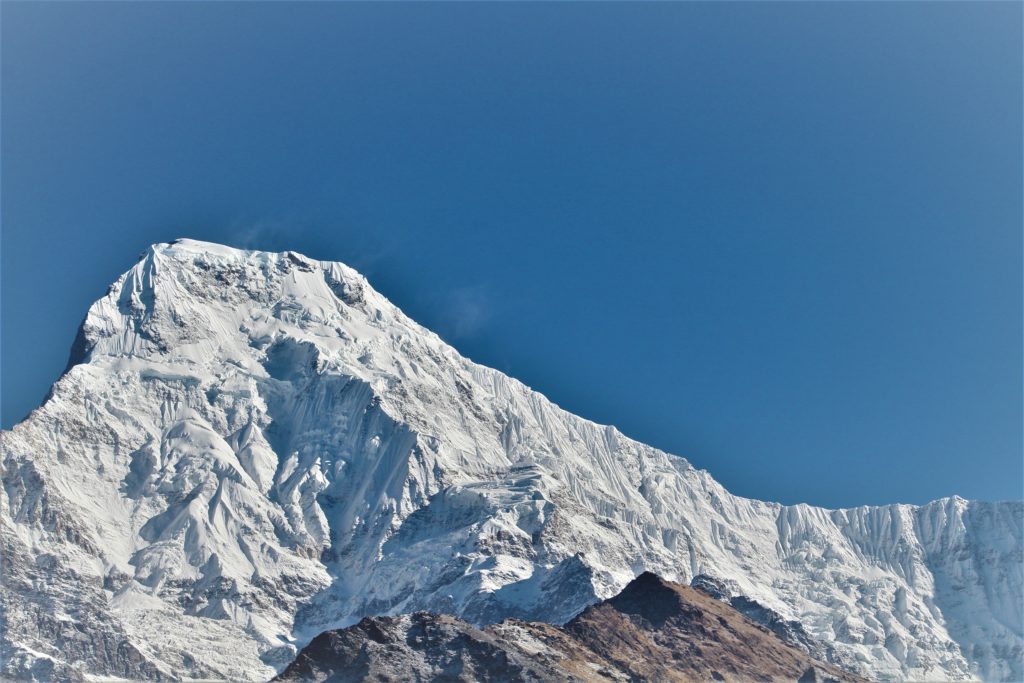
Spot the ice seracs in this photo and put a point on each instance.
(255, 447)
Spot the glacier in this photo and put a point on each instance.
(248, 448)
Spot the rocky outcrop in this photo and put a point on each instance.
(653, 631)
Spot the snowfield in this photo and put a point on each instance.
(250, 448)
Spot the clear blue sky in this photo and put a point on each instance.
(782, 240)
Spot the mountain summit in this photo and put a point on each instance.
(249, 448)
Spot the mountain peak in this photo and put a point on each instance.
(651, 597)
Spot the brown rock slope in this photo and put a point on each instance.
(661, 631)
(654, 630)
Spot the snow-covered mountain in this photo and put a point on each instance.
(249, 448)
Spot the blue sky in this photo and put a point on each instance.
(780, 239)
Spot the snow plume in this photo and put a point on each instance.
(464, 312)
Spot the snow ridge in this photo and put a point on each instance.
(256, 447)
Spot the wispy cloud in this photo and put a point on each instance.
(464, 312)
(266, 234)
(361, 248)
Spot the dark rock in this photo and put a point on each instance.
(654, 630)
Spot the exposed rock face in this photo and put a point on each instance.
(251, 448)
(789, 631)
(653, 631)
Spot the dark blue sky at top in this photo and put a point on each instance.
(782, 239)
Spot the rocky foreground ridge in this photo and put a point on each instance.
(250, 448)
(654, 630)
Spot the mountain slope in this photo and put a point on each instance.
(653, 630)
(258, 447)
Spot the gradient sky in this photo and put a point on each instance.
(782, 240)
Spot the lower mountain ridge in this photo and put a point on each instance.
(249, 448)
(654, 630)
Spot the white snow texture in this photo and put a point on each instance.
(249, 448)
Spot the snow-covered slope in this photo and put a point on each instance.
(249, 448)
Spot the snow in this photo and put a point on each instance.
(259, 446)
